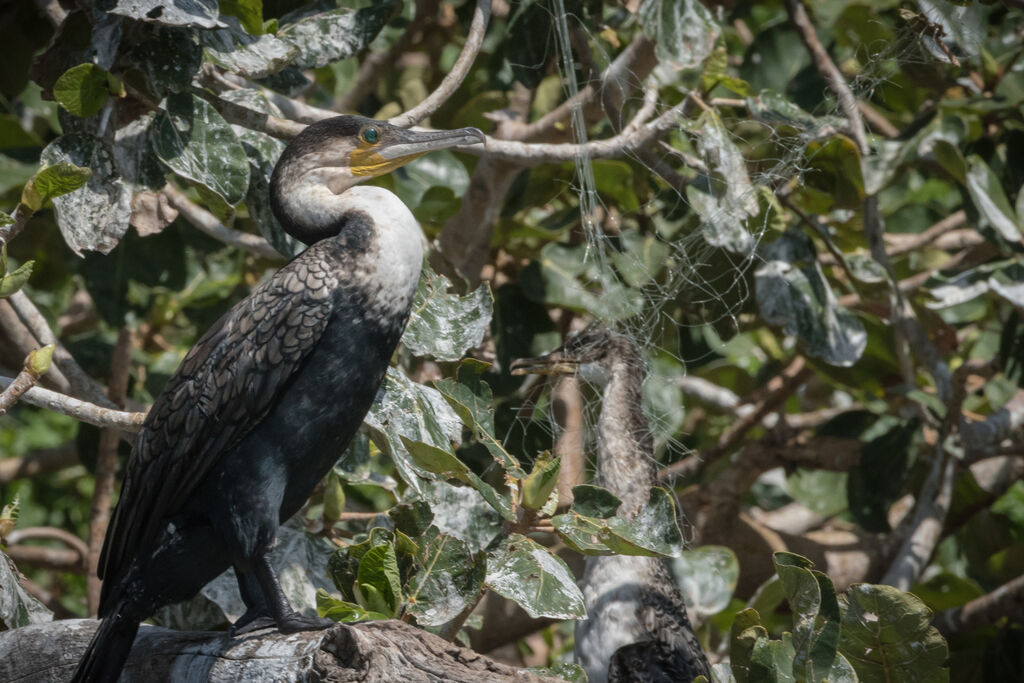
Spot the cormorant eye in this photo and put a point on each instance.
(371, 135)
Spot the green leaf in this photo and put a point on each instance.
(17, 608)
(445, 325)
(379, 580)
(195, 142)
(537, 487)
(335, 35)
(449, 580)
(816, 616)
(594, 501)
(654, 529)
(440, 169)
(707, 578)
(783, 115)
(406, 409)
(684, 30)
(412, 518)
(887, 636)
(539, 582)
(39, 360)
(877, 480)
(474, 409)
(12, 282)
(792, 293)
(987, 194)
(343, 563)
(95, 216)
(82, 89)
(439, 461)
(745, 635)
(248, 12)
(168, 59)
(346, 612)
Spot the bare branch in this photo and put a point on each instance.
(459, 70)
(80, 410)
(49, 533)
(207, 223)
(21, 215)
(1004, 601)
(273, 126)
(25, 380)
(57, 559)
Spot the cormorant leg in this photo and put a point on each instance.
(288, 620)
(257, 615)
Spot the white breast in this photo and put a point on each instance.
(611, 591)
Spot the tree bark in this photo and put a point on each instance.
(374, 652)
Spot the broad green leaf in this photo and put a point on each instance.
(343, 563)
(707, 578)
(195, 142)
(82, 89)
(346, 612)
(594, 501)
(865, 268)
(792, 293)
(536, 580)
(246, 53)
(987, 194)
(335, 35)
(640, 257)
(816, 617)
(17, 608)
(685, 30)
(834, 169)
(194, 13)
(249, 14)
(437, 169)
(475, 411)
(887, 636)
(537, 487)
(379, 580)
(404, 408)
(13, 281)
(134, 155)
(820, 491)
(412, 518)
(439, 461)
(334, 498)
(168, 59)
(449, 579)
(53, 180)
(745, 634)
(462, 512)
(444, 325)
(95, 216)
(654, 528)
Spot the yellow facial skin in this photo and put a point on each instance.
(365, 161)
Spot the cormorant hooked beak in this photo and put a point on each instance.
(554, 363)
(382, 148)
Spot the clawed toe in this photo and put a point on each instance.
(295, 622)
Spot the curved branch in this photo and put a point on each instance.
(50, 533)
(80, 410)
(1004, 601)
(455, 77)
(207, 223)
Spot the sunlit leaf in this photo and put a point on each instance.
(449, 579)
(194, 13)
(444, 325)
(990, 200)
(539, 582)
(82, 89)
(338, 34)
(346, 612)
(248, 55)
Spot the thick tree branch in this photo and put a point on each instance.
(1005, 601)
(21, 215)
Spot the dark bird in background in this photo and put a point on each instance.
(636, 628)
(269, 397)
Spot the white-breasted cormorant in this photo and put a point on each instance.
(266, 401)
(636, 629)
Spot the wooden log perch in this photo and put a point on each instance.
(373, 652)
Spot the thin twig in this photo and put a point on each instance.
(80, 410)
(207, 223)
(1004, 601)
(21, 215)
(454, 79)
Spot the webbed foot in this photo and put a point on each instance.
(293, 622)
(252, 620)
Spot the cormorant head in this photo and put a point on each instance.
(330, 156)
(591, 353)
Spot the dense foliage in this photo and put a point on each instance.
(813, 224)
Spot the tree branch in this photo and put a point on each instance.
(80, 410)
(454, 79)
(1007, 600)
(207, 223)
(21, 215)
(43, 461)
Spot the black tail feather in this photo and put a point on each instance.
(108, 650)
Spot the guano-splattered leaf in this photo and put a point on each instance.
(792, 293)
(476, 412)
(987, 194)
(449, 579)
(444, 325)
(17, 608)
(404, 408)
(251, 56)
(887, 636)
(195, 142)
(335, 35)
(439, 461)
(654, 528)
(685, 30)
(82, 89)
(539, 582)
(95, 216)
(168, 60)
(194, 13)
